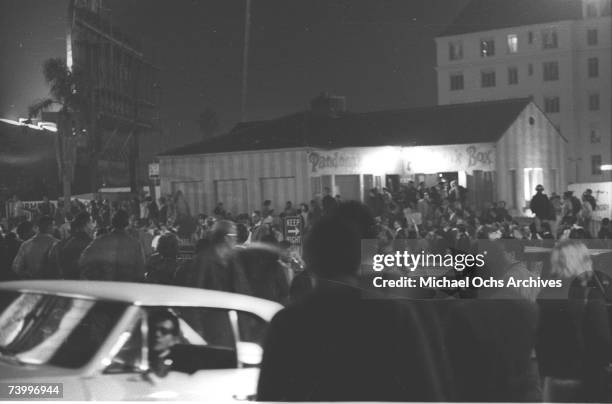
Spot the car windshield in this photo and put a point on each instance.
(62, 331)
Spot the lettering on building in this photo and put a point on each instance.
(319, 161)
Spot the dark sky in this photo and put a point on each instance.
(380, 54)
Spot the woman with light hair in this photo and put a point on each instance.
(571, 259)
(574, 345)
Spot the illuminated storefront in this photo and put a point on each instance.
(498, 150)
(352, 172)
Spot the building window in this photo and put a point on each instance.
(594, 102)
(530, 37)
(512, 75)
(591, 9)
(592, 37)
(455, 50)
(549, 39)
(551, 105)
(594, 134)
(596, 164)
(550, 71)
(487, 48)
(593, 67)
(530, 69)
(456, 81)
(512, 41)
(487, 78)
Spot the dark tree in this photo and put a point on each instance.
(66, 97)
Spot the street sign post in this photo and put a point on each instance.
(293, 230)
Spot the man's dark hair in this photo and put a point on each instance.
(168, 246)
(333, 247)
(45, 224)
(25, 230)
(80, 221)
(158, 316)
(120, 219)
(358, 214)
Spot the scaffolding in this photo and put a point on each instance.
(121, 89)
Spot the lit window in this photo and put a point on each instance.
(592, 37)
(549, 38)
(551, 105)
(596, 164)
(487, 78)
(593, 67)
(512, 75)
(550, 71)
(455, 50)
(594, 102)
(512, 40)
(487, 48)
(456, 81)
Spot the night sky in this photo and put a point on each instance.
(380, 54)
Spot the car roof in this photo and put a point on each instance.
(144, 294)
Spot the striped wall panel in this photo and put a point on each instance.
(285, 173)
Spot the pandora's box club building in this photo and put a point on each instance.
(499, 150)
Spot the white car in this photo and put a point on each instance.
(94, 337)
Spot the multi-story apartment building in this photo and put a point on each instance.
(556, 51)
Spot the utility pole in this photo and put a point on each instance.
(245, 58)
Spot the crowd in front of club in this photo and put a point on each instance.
(336, 340)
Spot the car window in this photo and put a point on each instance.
(251, 328)
(212, 325)
(63, 331)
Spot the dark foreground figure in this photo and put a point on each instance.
(339, 345)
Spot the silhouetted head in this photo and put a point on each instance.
(332, 249)
(45, 224)
(168, 246)
(120, 219)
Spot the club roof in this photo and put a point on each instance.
(438, 125)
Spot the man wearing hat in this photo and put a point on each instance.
(540, 204)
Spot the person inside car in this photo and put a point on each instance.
(169, 350)
(164, 335)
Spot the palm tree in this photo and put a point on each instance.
(65, 96)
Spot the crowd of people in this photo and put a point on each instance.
(330, 343)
